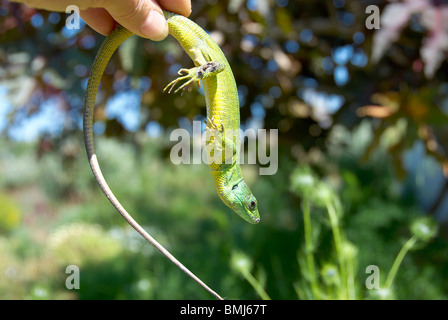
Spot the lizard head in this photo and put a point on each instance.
(243, 202)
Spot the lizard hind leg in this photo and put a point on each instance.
(220, 147)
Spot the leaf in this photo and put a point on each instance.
(433, 17)
(435, 44)
(283, 20)
(394, 18)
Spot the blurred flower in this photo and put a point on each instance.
(330, 274)
(83, 243)
(382, 294)
(240, 262)
(303, 181)
(324, 194)
(349, 250)
(424, 228)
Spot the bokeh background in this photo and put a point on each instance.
(362, 172)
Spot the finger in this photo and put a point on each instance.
(182, 7)
(99, 19)
(142, 17)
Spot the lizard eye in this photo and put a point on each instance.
(234, 187)
(252, 205)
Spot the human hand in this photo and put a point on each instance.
(142, 17)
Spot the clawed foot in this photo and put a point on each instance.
(211, 125)
(187, 74)
(193, 76)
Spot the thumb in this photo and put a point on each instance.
(142, 17)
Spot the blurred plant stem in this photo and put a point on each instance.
(338, 279)
(242, 264)
(309, 248)
(351, 277)
(346, 268)
(398, 260)
(255, 284)
(338, 246)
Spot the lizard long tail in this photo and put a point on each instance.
(108, 47)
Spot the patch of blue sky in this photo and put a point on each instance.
(174, 68)
(322, 103)
(80, 70)
(327, 65)
(426, 176)
(54, 17)
(88, 42)
(255, 62)
(266, 100)
(253, 124)
(346, 18)
(341, 75)
(282, 3)
(4, 10)
(306, 35)
(75, 119)
(252, 5)
(257, 110)
(242, 93)
(359, 37)
(359, 58)
(53, 38)
(84, 83)
(5, 107)
(309, 82)
(292, 46)
(169, 58)
(331, 102)
(199, 118)
(201, 89)
(125, 107)
(272, 65)
(267, 41)
(275, 92)
(69, 33)
(99, 127)
(186, 124)
(342, 54)
(37, 20)
(250, 40)
(416, 25)
(154, 129)
(49, 119)
(122, 84)
(339, 3)
(334, 102)
(145, 83)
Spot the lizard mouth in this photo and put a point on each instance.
(253, 220)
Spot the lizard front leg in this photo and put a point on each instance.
(203, 70)
(193, 76)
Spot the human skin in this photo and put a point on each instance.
(142, 17)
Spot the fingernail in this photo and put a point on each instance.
(155, 26)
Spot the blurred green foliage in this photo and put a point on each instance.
(343, 197)
(179, 207)
(10, 214)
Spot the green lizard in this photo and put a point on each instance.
(212, 68)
